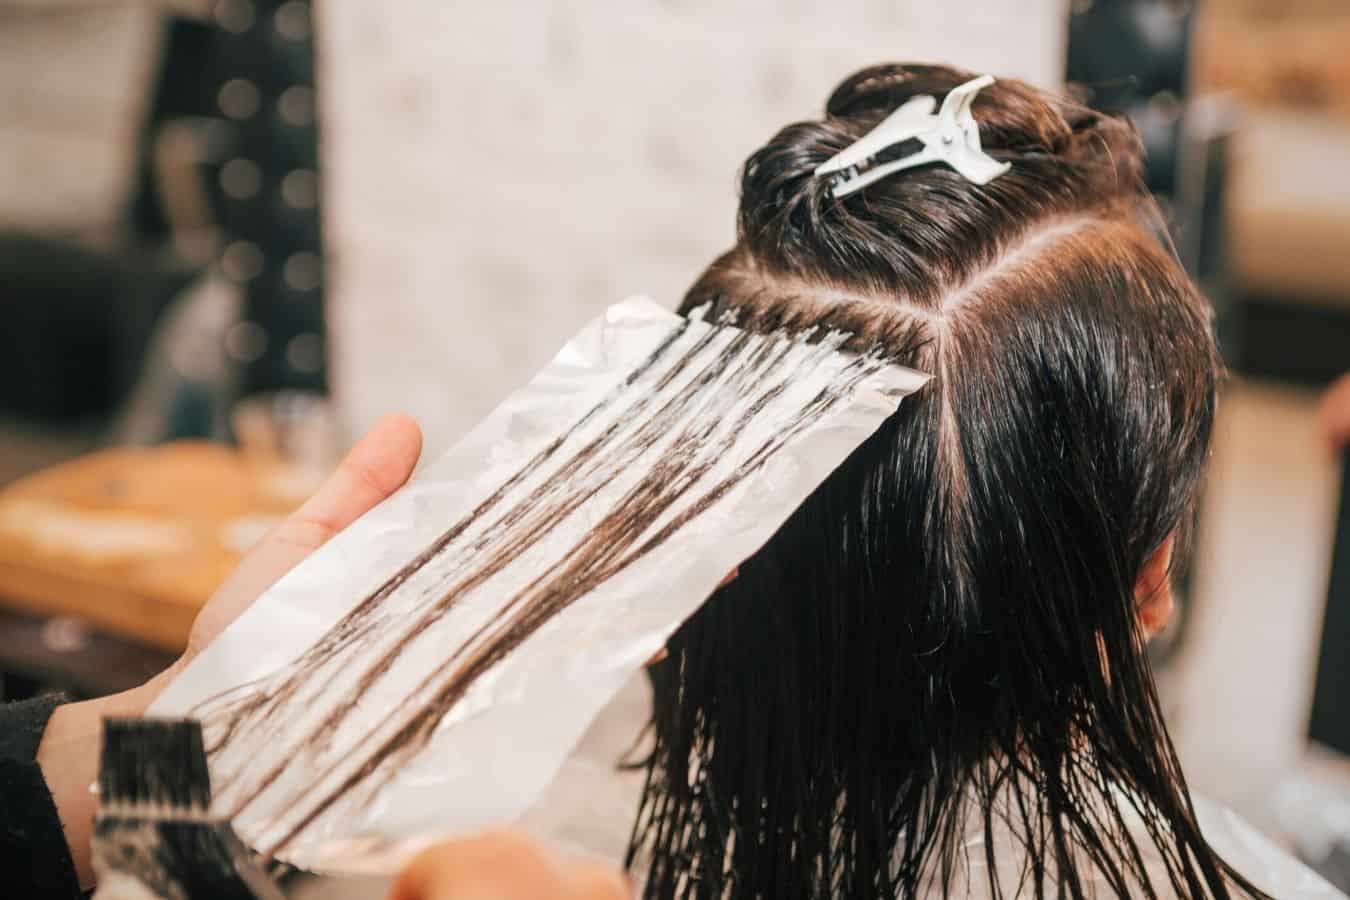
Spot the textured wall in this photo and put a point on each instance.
(73, 81)
(497, 173)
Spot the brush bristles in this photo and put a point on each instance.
(154, 764)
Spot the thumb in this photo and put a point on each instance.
(377, 466)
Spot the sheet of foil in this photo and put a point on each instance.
(329, 665)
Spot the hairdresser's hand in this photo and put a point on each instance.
(69, 751)
(503, 867)
(1335, 414)
(376, 467)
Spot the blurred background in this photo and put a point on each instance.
(235, 232)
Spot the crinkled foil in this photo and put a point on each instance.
(500, 745)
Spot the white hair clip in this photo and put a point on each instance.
(952, 136)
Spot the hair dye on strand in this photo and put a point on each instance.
(708, 408)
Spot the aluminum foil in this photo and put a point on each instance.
(485, 761)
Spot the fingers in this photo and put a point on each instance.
(1334, 414)
(377, 466)
(502, 866)
(594, 881)
(489, 867)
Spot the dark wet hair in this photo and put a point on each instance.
(942, 642)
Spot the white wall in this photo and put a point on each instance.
(495, 173)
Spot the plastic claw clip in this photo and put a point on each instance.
(952, 136)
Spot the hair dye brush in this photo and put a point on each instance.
(154, 835)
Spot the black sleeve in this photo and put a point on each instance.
(34, 859)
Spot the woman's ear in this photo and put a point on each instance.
(1153, 600)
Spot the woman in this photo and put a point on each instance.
(933, 682)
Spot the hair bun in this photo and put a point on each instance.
(1066, 159)
(1014, 118)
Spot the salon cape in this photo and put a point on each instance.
(590, 806)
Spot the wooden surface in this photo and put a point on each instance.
(133, 541)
